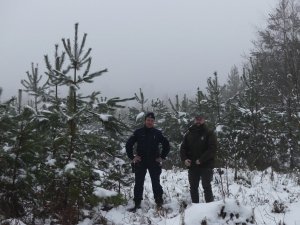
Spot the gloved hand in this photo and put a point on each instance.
(198, 162)
(136, 159)
(187, 162)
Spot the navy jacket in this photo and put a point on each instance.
(148, 141)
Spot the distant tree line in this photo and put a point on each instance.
(55, 150)
(256, 113)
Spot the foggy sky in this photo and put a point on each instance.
(164, 47)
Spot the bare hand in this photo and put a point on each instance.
(136, 159)
(198, 162)
(187, 162)
(159, 160)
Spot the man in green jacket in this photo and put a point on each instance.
(198, 151)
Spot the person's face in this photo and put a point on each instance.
(199, 121)
(149, 122)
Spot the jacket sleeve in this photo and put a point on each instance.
(211, 148)
(165, 146)
(129, 145)
(183, 149)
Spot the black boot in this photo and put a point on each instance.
(208, 195)
(137, 205)
(159, 202)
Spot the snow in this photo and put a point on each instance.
(103, 193)
(105, 117)
(7, 148)
(87, 131)
(210, 212)
(251, 197)
(86, 222)
(244, 111)
(44, 111)
(219, 128)
(292, 217)
(50, 161)
(100, 172)
(70, 166)
(123, 150)
(139, 116)
(159, 121)
(119, 161)
(12, 222)
(30, 108)
(182, 114)
(248, 200)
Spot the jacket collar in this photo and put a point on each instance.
(195, 128)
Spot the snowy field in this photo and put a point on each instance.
(257, 198)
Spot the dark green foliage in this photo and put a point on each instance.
(33, 87)
(22, 145)
(141, 100)
(0, 92)
(52, 72)
(214, 99)
(175, 125)
(277, 54)
(279, 207)
(197, 105)
(53, 156)
(136, 114)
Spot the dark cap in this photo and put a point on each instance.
(199, 116)
(150, 115)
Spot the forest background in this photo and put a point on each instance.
(72, 144)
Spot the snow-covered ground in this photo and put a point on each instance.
(253, 199)
(256, 198)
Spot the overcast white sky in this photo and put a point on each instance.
(162, 46)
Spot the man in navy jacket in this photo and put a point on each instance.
(147, 157)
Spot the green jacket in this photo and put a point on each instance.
(199, 143)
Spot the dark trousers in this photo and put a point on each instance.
(140, 173)
(206, 175)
